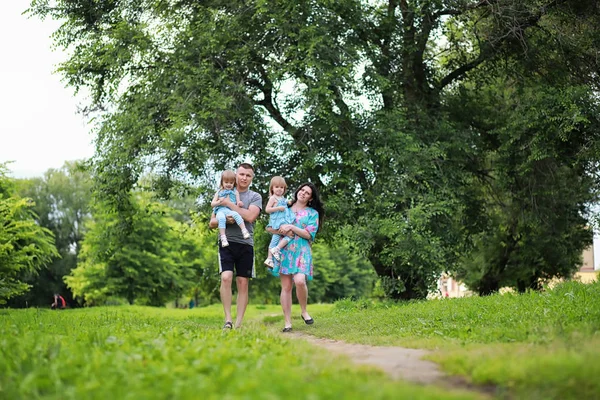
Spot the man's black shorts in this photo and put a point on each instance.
(238, 257)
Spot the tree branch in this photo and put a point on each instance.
(479, 4)
(487, 48)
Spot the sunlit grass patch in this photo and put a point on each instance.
(147, 353)
(531, 317)
(534, 345)
(560, 370)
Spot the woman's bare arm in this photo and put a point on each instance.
(286, 229)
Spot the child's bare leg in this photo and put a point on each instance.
(245, 232)
(269, 260)
(224, 242)
(272, 246)
(282, 243)
(277, 249)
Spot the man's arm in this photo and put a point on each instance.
(213, 223)
(249, 215)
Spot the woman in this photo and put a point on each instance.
(295, 266)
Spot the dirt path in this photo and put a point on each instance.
(398, 363)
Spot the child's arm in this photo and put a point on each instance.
(237, 199)
(270, 208)
(216, 200)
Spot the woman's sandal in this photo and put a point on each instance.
(287, 329)
(228, 325)
(309, 321)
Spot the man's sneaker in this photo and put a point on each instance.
(245, 234)
(224, 242)
(276, 253)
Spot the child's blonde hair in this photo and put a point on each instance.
(279, 181)
(227, 175)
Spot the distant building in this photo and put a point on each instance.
(591, 262)
(450, 287)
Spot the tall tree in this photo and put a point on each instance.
(349, 94)
(539, 184)
(154, 264)
(62, 200)
(25, 247)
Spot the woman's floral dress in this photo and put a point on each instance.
(296, 256)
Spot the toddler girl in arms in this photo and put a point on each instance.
(227, 190)
(279, 214)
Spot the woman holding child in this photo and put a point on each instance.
(295, 264)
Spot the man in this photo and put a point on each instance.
(239, 255)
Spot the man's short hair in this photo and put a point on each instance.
(246, 166)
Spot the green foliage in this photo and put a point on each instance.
(62, 204)
(25, 247)
(154, 353)
(356, 96)
(340, 273)
(155, 263)
(539, 181)
(203, 250)
(536, 345)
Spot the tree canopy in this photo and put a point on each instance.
(155, 264)
(381, 103)
(62, 200)
(25, 247)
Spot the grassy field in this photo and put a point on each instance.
(534, 346)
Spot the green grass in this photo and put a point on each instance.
(532, 317)
(534, 346)
(145, 353)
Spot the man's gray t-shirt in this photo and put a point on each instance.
(233, 231)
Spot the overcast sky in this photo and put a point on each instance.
(39, 124)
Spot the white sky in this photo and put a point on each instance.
(39, 124)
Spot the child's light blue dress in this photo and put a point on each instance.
(222, 212)
(279, 218)
(225, 193)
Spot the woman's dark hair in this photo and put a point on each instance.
(315, 202)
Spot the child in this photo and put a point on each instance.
(227, 189)
(279, 214)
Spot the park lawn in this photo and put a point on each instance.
(147, 353)
(535, 345)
